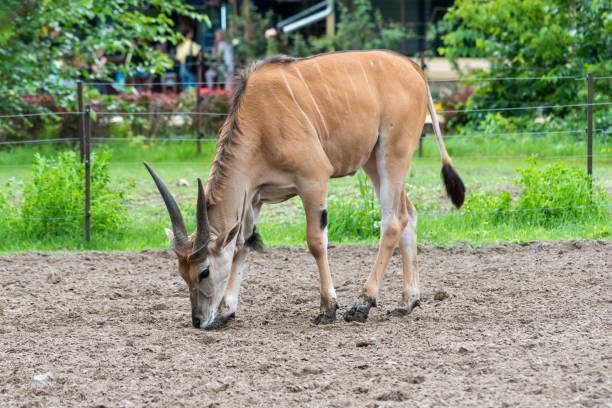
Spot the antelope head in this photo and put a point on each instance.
(204, 258)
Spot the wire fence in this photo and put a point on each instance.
(451, 213)
(17, 217)
(190, 113)
(516, 78)
(214, 139)
(458, 213)
(99, 140)
(33, 90)
(30, 90)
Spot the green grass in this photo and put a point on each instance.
(284, 224)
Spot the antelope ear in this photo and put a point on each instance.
(224, 239)
(169, 234)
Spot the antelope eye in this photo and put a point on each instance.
(204, 274)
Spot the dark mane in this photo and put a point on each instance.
(227, 138)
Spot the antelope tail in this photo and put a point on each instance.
(454, 186)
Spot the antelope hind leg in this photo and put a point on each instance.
(408, 249)
(394, 213)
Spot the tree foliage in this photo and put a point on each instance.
(48, 44)
(250, 34)
(361, 27)
(532, 38)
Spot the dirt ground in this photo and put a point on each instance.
(524, 325)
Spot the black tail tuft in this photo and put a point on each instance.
(454, 186)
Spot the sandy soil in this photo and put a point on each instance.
(523, 326)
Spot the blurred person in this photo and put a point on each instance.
(186, 55)
(224, 69)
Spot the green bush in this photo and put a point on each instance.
(549, 196)
(564, 193)
(5, 213)
(54, 198)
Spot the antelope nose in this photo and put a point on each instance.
(196, 321)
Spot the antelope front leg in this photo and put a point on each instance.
(229, 303)
(315, 206)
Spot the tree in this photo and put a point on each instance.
(532, 38)
(48, 44)
(361, 27)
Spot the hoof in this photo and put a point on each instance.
(325, 318)
(221, 321)
(405, 308)
(327, 315)
(360, 310)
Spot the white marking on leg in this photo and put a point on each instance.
(332, 293)
(410, 286)
(324, 241)
(296, 102)
(385, 204)
(314, 102)
(406, 242)
(231, 295)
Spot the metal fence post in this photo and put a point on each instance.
(87, 146)
(589, 129)
(198, 103)
(81, 120)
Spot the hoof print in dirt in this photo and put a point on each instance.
(360, 310)
(396, 396)
(441, 295)
(399, 312)
(221, 321)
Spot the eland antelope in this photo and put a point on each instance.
(294, 124)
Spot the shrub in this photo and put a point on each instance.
(563, 192)
(54, 198)
(549, 196)
(5, 213)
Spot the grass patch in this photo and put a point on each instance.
(354, 215)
